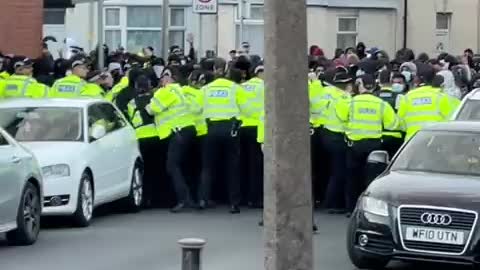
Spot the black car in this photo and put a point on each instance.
(424, 206)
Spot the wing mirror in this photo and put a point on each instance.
(98, 132)
(379, 157)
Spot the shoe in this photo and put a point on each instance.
(202, 205)
(260, 223)
(178, 208)
(234, 209)
(348, 215)
(315, 228)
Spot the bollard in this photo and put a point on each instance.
(191, 253)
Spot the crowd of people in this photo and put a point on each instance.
(200, 122)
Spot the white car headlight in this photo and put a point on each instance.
(375, 206)
(54, 171)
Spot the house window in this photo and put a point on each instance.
(54, 16)
(113, 32)
(347, 32)
(144, 25)
(443, 21)
(442, 34)
(253, 28)
(112, 17)
(136, 27)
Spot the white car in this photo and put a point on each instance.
(469, 109)
(20, 192)
(88, 153)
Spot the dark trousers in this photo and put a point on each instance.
(193, 168)
(320, 167)
(252, 164)
(392, 145)
(149, 148)
(219, 145)
(358, 174)
(336, 148)
(180, 144)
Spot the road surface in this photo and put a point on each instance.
(147, 241)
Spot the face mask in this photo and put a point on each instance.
(408, 76)
(398, 87)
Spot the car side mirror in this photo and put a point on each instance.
(379, 157)
(98, 132)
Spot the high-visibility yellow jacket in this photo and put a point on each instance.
(112, 94)
(21, 86)
(319, 99)
(423, 106)
(332, 122)
(221, 99)
(251, 103)
(195, 99)
(143, 129)
(73, 86)
(171, 110)
(261, 128)
(4, 75)
(366, 116)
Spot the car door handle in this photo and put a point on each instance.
(16, 160)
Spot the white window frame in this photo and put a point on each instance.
(124, 28)
(246, 21)
(338, 32)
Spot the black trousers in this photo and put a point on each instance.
(252, 164)
(219, 145)
(358, 174)
(336, 149)
(320, 167)
(149, 148)
(392, 145)
(181, 142)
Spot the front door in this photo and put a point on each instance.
(10, 180)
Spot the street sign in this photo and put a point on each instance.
(205, 6)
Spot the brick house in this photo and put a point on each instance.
(22, 24)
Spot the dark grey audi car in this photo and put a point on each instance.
(424, 206)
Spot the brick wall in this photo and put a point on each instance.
(21, 23)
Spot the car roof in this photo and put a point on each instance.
(454, 126)
(474, 94)
(49, 102)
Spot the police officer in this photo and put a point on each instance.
(392, 87)
(333, 138)
(176, 113)
(74, 85)
(366, 116)
(21, 84)
(196, 80)
(146, 132)
(251, 107)
(320, 160)
(3, 68)
(221, 112)
(425, 104)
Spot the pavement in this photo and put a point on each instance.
(147, 241)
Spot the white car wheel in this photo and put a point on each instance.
(134, 200)
(28, 218)
(137, 187)
(87, 200)
(84, 213)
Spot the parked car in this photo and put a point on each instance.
(469, 109)
(425, 206)
(20, 192)
(88, 153)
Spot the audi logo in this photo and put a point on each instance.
(436, 219)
